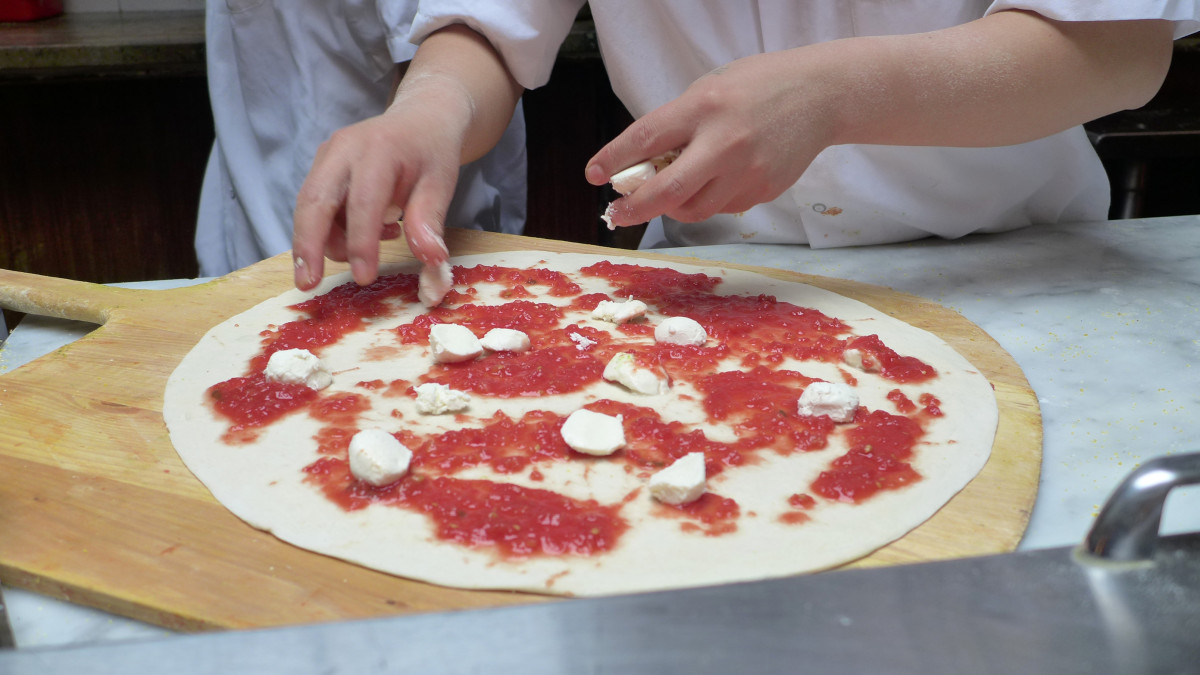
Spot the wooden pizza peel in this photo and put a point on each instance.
(97, 508)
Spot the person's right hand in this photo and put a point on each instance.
(403, 161)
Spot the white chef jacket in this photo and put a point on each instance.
(851, 194)
(283, 76)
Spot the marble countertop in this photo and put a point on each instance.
(1104, 319)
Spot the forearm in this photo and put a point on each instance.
(1008, 78)
(461, 67)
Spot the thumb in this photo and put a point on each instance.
(650, 136)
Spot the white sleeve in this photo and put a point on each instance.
(526, 33)
(1185, 13)
(397, 17)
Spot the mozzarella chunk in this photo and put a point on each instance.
(582, 342)
(682, 482)
(857, 358)
(628, 180)
(619, 311)
(377, 457)
(593, 433)
(607, 217)
(680, 330)
(505, 340)
(434, 283)
(836, 400)
(634, 177)
(434, 399)
(624, 370)
(452, 343)
(297, 366)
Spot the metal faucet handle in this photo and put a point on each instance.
(1127, 528)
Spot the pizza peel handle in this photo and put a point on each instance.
(60, 298)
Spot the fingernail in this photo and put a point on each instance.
(358, 270)
(595, 175)
(303, 277)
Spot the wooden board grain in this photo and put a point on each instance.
(97, 508)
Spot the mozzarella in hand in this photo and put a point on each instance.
(452, 343)
(619, 312)
(505, 340)
(682, 482)
(836, 400)
(624, 370)
(593, 433)
(297, 366)
(680, 330)
(434, 398)
(376, 457)
(628, 180)
(434, 282)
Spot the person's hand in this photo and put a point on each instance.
(365, 176)
(745, 133)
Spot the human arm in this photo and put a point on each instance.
(748, 130)
(451, 107)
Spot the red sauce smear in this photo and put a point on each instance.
(332, 315)
(903, 403)
(931, 405)
(254, 401)
(504, 444)
(713, 514)
(892, 365)
(760, 404)
(555, 370)
(516, 521)
(557, 283)
(880, 444)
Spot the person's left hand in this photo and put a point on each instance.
(746, 132)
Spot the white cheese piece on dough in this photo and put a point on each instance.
(680, 330)
(377, 457)
(624, 370)
(505, 340)
(434, 282)
(434, 398)
(682, 482)
(593, 433)
(834, 399)
(452, 343)
(582, 342)
(857, 358)
(619, 312)
(297, 366)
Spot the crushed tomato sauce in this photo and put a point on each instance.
(759, 403)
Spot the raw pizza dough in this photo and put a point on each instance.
(262, 483)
